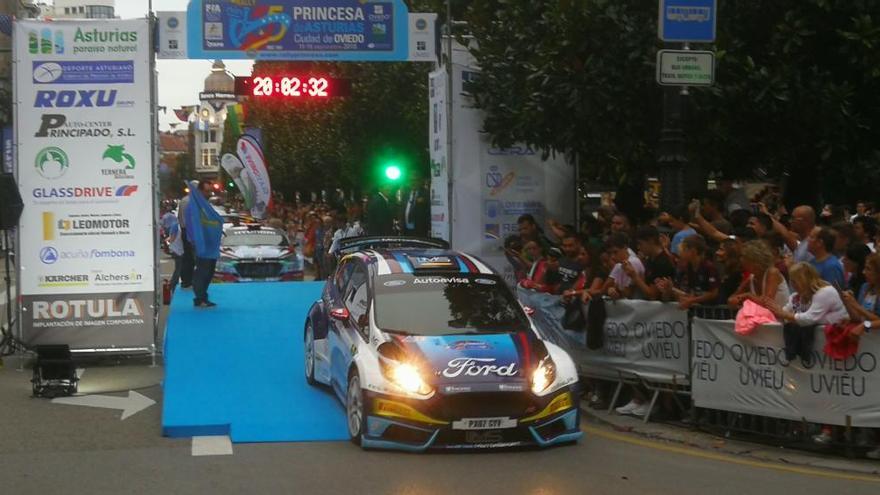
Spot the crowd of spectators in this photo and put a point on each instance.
(807, 269)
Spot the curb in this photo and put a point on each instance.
(738, 448)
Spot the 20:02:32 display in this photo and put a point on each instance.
(290, 86)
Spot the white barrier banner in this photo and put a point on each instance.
(644, 338)
(85, 170)
(750, 375)
(648, 339)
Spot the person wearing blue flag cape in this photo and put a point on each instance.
(204, 228)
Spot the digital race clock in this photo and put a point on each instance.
(306, 86)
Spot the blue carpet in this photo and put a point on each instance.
(237, 369)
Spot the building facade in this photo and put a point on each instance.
(84, 9)
(210, 118)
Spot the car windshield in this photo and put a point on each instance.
(254, 238)
(446, 305)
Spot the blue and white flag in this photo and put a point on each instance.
(204, 226)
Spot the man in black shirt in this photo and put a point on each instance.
(696, 281)
(658, 263)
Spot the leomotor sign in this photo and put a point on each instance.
(85, 174)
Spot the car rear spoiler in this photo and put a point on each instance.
(353, 244)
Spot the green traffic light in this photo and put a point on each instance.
(392, 172)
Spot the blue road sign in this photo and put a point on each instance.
(687, 20)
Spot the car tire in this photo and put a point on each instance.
(309, 354)
(354, 409)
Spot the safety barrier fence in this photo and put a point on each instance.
(743, 379)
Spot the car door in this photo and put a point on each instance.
(344, 335)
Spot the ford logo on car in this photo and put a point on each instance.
(477, 367)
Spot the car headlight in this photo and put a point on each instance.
(407, 377)
(544, 375)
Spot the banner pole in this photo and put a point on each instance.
(15, 167)
(450, 153)
(154, 172)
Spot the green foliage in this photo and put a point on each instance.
(570, 76)
(798, 88)
(313, 145)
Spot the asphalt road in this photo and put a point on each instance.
(48, 448)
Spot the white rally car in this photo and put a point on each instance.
(428, 348)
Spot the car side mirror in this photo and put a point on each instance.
(340, 314)
(363, 321)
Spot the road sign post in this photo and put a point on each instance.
(681, 21)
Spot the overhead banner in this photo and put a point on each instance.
(341, 30)
(85, 173)
(750, 374)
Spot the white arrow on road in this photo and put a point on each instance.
(130, 405)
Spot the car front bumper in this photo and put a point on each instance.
(398, 424)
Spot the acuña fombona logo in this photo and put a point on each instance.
(465, 366)
(50, 255)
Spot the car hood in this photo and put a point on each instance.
(254, 252)
(466, 363)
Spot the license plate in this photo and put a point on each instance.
(483, 423)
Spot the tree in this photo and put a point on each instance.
(314, 145)
(797, 92)
(570, 76)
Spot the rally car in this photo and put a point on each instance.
(254, 253)
(428, 348)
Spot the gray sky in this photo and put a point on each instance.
(179, 80)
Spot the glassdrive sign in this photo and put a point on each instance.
(685, 68)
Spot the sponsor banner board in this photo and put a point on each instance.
(499, 183)
(422, 38)
(171, 39)
(85, 172)
(439, 155)
(89, 321)
(750, 374)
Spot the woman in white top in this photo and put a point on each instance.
(764, 279)
(814, 302)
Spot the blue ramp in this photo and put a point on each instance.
(237, 369)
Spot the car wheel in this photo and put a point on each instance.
(310, 354)
(354, 409)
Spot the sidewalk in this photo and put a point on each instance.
(705, 441)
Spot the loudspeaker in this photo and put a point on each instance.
(54, 372)
(10, 202)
